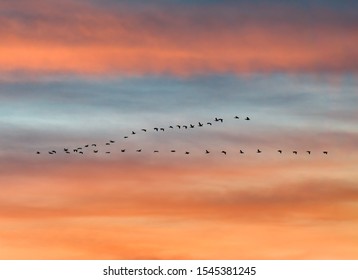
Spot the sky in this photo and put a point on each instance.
(87, 72)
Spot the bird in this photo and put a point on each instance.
(247, 119)
(125, 137)
(236, 117)
(308, 152)
(173, 151)
(187, 153)
(162, 129)
(280, 151)
(258, 151)
(81, 152)
(221, 120)
(207, 152)
(171, 126)
(108, 144)
(95, 151)
(65, 149)
(108, 152)
(325, 152)
(156, 128)
(156, 151)
(209, 123)
(185, 126)
(93, 145)
(143, 129)
(67, 152)
(123, 150)
(38, 152)
(241, 152)
(139, 150)
(75, 150)
(216, 119)
(133, 132)
(200, 124)
(295, 152)
(192, 126)
(224, 152)
(111, 141)
(86, 146)
(50, 153)
(54, 151)
(178, 126)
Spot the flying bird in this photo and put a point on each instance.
(143, 129)
(236, 117)
(93, 145)
(111, 141)
(51, 153)
(171, 126)
(185, 126)
(81, 152)
(200, 124)
(139, 150)
(156, 128)
(108, 152)
(162, 129)
(95, 151)
(86, 146)
(295, 152)
(133, 132)
(108, 144)
(258, 151)
(125, 137)
(178, 126)
(247, 119)
(192, 126)
(75, 150)
(216, 119)
(221, 120)
(38, 153)
(173, 151)
(207, 152)
(123, 150)
(280, 151)
(325, 152)
(187, 153)
(209, 123)
(308, 152)
(156, 151)
(224, 152)
(241, 152)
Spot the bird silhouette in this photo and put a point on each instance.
(86, 146)
(308, 152)
(295, 152)
(38, 152)
(236, 117)
(241, 152)
(162, 129)
(95, 151)
(224, 152)
(187, 153)
(221, 120)
(133, 132)
(247, 119)
(325, 152)
(280, 151)
(125, 137)
(171, 126)
(173, 151)
(108, 152)
(178, 126)
(207, 152)
(139, 150)
(111, 141)
(81, 152)
(54, 151)
(258, 151)
(51, 153)
(185, 126)
(216, 119)
(200, 124)
(75, 150)
(123, 150)
(65, 149)
(192, 126)
(156, 151)
(108, 144)
(156, 128)
(93, 145)
(143, 129)
(209, 123)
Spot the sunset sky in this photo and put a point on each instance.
(81, 72)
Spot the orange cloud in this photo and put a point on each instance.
(94, 41)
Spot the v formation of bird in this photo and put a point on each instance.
(92, 148)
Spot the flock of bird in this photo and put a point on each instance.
(92, 148)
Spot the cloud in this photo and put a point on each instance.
(89, 40)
